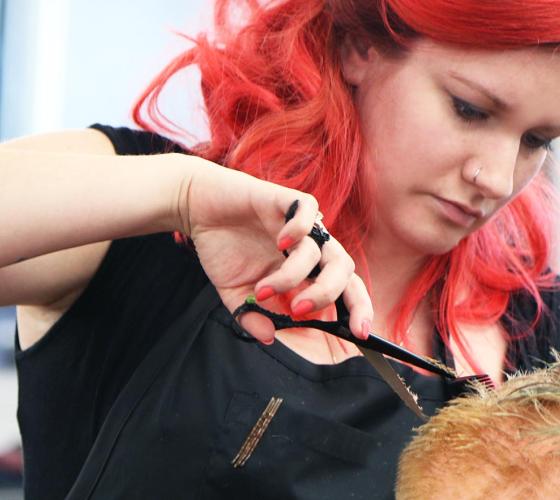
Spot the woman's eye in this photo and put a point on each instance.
(533, 141)
(467, 112)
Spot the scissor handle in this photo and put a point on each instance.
(280, 321)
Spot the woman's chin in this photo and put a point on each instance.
(436, 245)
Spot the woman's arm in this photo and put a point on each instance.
(51, 201)
(47, 282)
(76, 196)
(44, 287)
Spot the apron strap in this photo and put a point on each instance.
(182, 332)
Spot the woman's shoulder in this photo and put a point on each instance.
(127, 141)
(548, 328)
(533, 335)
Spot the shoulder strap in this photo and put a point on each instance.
(127, 141)
(140, 382)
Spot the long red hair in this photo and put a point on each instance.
(278, 108)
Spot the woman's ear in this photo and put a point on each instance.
(357, 57)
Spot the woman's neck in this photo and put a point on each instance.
(390, 270)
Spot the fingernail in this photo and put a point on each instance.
(268, 342)
(366, 328)
(285, 243)
(303, 307)
(265, 293)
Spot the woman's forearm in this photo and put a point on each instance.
(50, 202)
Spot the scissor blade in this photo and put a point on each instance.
(384, 368)
(395, 351)
(379, 344)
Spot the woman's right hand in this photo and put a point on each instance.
(237, 223)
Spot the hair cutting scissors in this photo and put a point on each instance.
(374, 348)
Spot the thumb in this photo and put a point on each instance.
(256, 324)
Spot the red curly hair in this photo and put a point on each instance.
(278, 108)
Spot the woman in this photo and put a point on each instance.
(420, 128)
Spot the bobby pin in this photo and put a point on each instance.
(256, 433)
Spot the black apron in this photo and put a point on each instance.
(187, 410)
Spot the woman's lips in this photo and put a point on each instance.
(459, 214)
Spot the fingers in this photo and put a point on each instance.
(300, 224)
(355, 296)
(258, 326)
(336, 278)
(358, 302)
(336, 269)
(304, 256)
(337, 275)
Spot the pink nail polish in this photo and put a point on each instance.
(285, 243)
(265, 293)
(303, 307)
(366, 328)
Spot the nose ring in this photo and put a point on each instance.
(476, 174)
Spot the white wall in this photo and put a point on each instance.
(69, 63)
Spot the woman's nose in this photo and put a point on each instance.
(492, 169)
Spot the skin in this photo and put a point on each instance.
(427, 131)
(424, 145)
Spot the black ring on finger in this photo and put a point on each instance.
(319, 235)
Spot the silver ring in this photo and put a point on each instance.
(476, 174)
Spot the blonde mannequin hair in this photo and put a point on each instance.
(494, 444)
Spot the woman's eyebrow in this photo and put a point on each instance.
(553, 131)
(499, 103)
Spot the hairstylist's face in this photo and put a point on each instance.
(452, 135)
